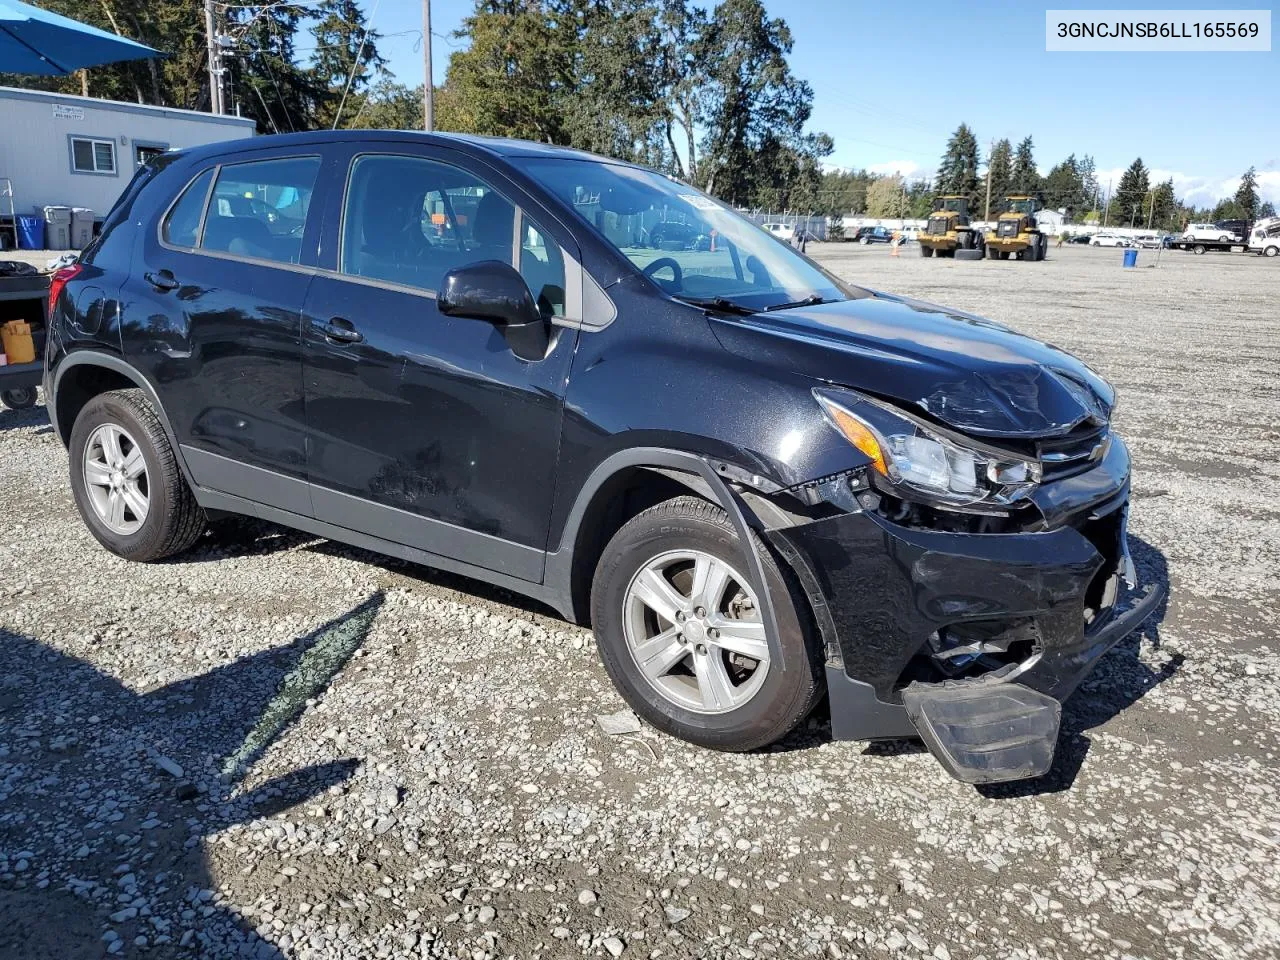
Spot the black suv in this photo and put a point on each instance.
(757, 483)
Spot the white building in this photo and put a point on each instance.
(81, 152)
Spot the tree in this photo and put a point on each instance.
(267, 82)
(387, 106)
(1162, 212)
(1131, 195)
(1268, 209)
(505, 82)
(1026, 179)
(1064, 187)
(346, 57)
(886, 197)
(958, 169)
(1092, 193)
(755, 108)
(1247, 195)
(1000, 172)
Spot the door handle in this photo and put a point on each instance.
(338, 330)
(163, 280)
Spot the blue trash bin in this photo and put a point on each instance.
(1131, 257)
(30, 233)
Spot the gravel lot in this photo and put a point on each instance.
(280, 747)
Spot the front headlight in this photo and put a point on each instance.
(920, 462)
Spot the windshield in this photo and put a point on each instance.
(951, 205)
(1022, 206)
(692, 246)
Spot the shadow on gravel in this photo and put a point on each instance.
(36, 416)
(1119, 681)
(106, 794)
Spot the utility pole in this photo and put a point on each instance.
(1106, 213)
(986, 213)
(215, 59)
(428, 94)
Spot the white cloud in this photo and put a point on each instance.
(906, 168)
(1200, 191)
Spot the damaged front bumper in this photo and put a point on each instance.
(971, 641)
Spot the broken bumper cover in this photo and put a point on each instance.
(889, 598)
(990, 731)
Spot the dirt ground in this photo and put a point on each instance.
(278, 747)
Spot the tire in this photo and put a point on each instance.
(1271, 251)
(774, 706)
(20, 398)
(1224, 239)
(964, 240)
(992, 253)
(926, 251)
(864, 241)
(1198, 248)
(656, 240)
(173, 521)
(1004, 254)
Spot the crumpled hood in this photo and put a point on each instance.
(967, 372)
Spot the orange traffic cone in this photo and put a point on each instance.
(897, 242)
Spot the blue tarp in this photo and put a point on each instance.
(37, 41)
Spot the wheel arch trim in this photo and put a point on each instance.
(116, 364)
(702, 476)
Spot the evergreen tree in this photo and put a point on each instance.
(1162, 213)
(1092, 195)
(1247, 195)
(1268, 209)
(1131, 196)
(1000, 170)
(1064, 187)
(1025, 177)
(346, 57)
(266, 81)
(958, 169)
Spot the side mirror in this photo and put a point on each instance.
(495, 292)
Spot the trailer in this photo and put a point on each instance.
(24, 297)
(1204, 246)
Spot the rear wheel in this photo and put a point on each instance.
(126, 481)
(1198, 248)
(925, 250)
(20, 398)
(1004, 254)
(992, 253)
(680, 630)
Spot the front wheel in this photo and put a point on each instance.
(126, 481)
(20, 398)
(926, 251)
(1271, 251)
(681, 633)
(1198, 248)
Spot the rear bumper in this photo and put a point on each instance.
(900, 606)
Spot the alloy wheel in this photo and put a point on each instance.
(115, 479)
(692, 625)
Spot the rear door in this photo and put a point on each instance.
(425, 429)
(214, 313)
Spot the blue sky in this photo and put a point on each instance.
(1199, 117)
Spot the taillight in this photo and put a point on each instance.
(58, 281)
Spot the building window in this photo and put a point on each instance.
(92, 156)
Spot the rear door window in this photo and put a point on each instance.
(259, 209)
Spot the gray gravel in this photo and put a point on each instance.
(280, 747)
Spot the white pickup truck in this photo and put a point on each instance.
(1265, 238)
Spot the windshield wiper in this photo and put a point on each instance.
(810, 301)
(718, 303)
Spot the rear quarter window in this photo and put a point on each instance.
(182, 225)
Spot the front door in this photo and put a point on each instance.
(215, 317)
(424, 429)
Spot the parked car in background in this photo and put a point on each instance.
(783, 231)
(759, 484)
(1211, 232)
(1109, 240)
(1080, 238)
(674, 234)
(873, 235)
(1147, 241)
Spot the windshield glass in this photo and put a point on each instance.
(692, 246)
(1022, 206)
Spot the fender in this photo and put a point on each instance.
(559, 566)
(116, 364)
